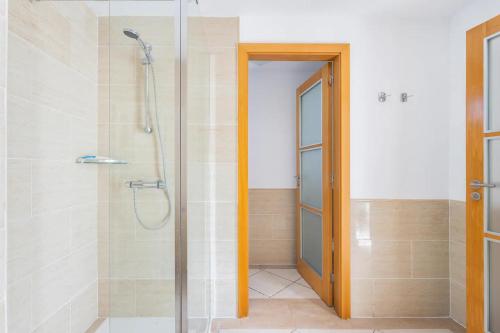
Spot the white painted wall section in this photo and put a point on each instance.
(398, 150)
(272, 122)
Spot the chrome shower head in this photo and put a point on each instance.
(146, 47)
(131, 33)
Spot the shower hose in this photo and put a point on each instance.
(164, 220)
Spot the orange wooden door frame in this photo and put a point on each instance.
(339, 55)
(475, 231)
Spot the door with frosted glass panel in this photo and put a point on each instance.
(314, 175)
(483, 177)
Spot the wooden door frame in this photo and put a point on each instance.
(474, 151)
(339, 55)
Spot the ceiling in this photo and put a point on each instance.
(399, 8)
(411, 9)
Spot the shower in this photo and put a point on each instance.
(159, 184)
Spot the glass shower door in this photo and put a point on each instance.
(137, 97)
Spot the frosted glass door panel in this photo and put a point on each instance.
(494, 287)
(493, 177)
(311, 180)
(310, 116)
(312, 240)
(493, 83)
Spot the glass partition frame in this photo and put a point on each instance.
(490, 236)
(487, 180)
(486, 78)
(487, 284)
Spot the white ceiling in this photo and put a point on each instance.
(402, 9)
(399, 8)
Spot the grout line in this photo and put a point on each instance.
(250, 288)
(280, 290)
(412, 270)
(265, 270)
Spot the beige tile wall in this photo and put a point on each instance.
(211, 136)
(272, 226)
(136, 266)
(52, 202)
(457, 261)
(3, 70)
(400, 258)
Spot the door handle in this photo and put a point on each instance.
(477, 184)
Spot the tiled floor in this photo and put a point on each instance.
(279, 283)
(336, 331)
(312, 314)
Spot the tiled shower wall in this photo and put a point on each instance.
(52, 201)
(272, 224)
(136, 266)
(212, 133)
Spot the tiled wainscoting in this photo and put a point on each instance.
(400, 258)
(457, 261)
(272, 226)
(408, 256)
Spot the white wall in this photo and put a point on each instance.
(470, 16)
(397, 150)
(271, 122)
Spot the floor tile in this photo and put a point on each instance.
(300, 330)
(296, 291)
(254, 294)
(290, 274)
(414, 331)
(255, 331)
(253, 271)
(303, 283)
(308, 314)
(267, 283)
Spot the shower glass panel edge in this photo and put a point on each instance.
(196, 191)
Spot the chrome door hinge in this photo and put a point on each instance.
(297, 179)
(330, 80)
(332, 278)
(332, 179)
(333, 245)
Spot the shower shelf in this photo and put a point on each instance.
(98, 160)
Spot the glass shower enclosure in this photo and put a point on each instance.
(158, 260)
(105, 102)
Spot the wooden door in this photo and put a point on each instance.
(483, 177)
(314, 180)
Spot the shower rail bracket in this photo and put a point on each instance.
(91, 159)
